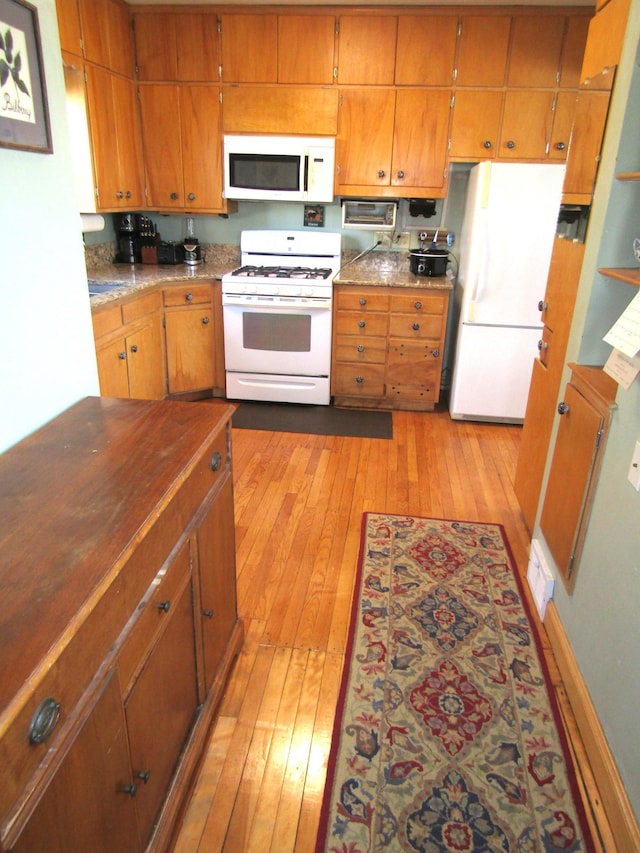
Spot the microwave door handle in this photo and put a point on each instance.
(306, 172)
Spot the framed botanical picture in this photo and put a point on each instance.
(24, 113)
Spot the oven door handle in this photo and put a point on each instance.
(283, 304)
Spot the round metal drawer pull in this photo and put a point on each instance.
(144, 775)
(205, 321)
(362, 324)
(560, 146)
(128, 194)
(511, 144)
(418, 305)
(134, 348)
(359, 379)
(563, 408)
(208, 614)
(122, 355)
(542, 306)
(400, 175)
(487, 143)
(542, 345)
(189, 297)
(174, 196)
(191, 196)
(164, 606)
(132, 790)
(416, 327)
(363, 301)
(216, 461)
(44, 720)
(360, 348)
(381, 173)
(435, 353)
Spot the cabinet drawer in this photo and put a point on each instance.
(356, 323)
(354, 349)
(414, 364)
(188, 294)
(356, 380)
(151, 614)
(140, 307)
(361, 300)
(407, 326)
(405, 303)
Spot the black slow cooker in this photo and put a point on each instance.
(429, 262)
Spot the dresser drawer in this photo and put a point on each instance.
(358, 380)
(423, 326)
(405, 303)
(357, 323)
(351, 348)
(355, 299)
(187, 294)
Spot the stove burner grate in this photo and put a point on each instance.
(283, 272)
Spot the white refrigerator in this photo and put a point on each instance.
(505, 248)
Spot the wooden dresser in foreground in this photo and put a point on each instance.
(119, 622)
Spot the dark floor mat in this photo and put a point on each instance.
(317, 420)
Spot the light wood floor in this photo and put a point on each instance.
(299, 505)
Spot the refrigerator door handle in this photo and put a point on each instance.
(482, 273)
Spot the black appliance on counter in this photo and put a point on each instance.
(134, 232)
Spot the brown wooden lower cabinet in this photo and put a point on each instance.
(110, 691)
(585, 410)
(388, 344)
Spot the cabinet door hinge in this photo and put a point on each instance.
(220, 96)
(335, 72)
(337, 28)
(455, 74)
(459, 28)
(219, 27)
(452, 102)
(599, 438)
(220, 71)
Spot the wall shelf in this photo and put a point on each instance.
(630, 276)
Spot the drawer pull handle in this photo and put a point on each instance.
(216, 461)
(189, 297)
(542, 345)
(487, 143)
(359, 379)
(122, 355)
(164, 606)
(418, 305)
(363, 301)
(542, 306)
(511, 144)
(205, 321)
(362, 324)
(44, 720)
(132, 790)
(435, 353)
(563, 408)
(208, 614)
(416, 327)
(360, 348)
(134, 348)
(381, 173)
(144, 775)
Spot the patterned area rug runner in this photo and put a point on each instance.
(448, 737)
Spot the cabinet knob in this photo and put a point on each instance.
(360, 348)
(128, 194)
(416, 327)
(189, 297)
(542, 306)
(131, 790)
(174, 196)
(359, 380)
(417, 305)
(144, 775)
(122, 355)
(486, 143)
(363, 301)
(563, 408)
(205, 321)
(400, 175)
(44, 720)
(191, 196)
(542, 345)
(362, 324)
(134, 347)
(119, 194)
(208, 614)
(381, 173)
(511, 144)
(216, 461)
(164, 606)
(561, 146)
(435, 353)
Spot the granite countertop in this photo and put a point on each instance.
(382, 269)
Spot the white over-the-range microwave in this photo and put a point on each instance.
(279, 168)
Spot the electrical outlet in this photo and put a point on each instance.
(634, 469)
(383, 239)
(402, 240)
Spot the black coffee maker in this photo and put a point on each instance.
(128, 236)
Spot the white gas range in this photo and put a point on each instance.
(277, 316)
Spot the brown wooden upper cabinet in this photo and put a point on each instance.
(426, 50)
(176, 47)
(69, 26)
(483, 49)
(575, 41)
(367, 49)
(536, 47)
(306, 46)
(249, 48)
(106, 34)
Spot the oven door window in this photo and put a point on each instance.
(265, 171)
(273, 332)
